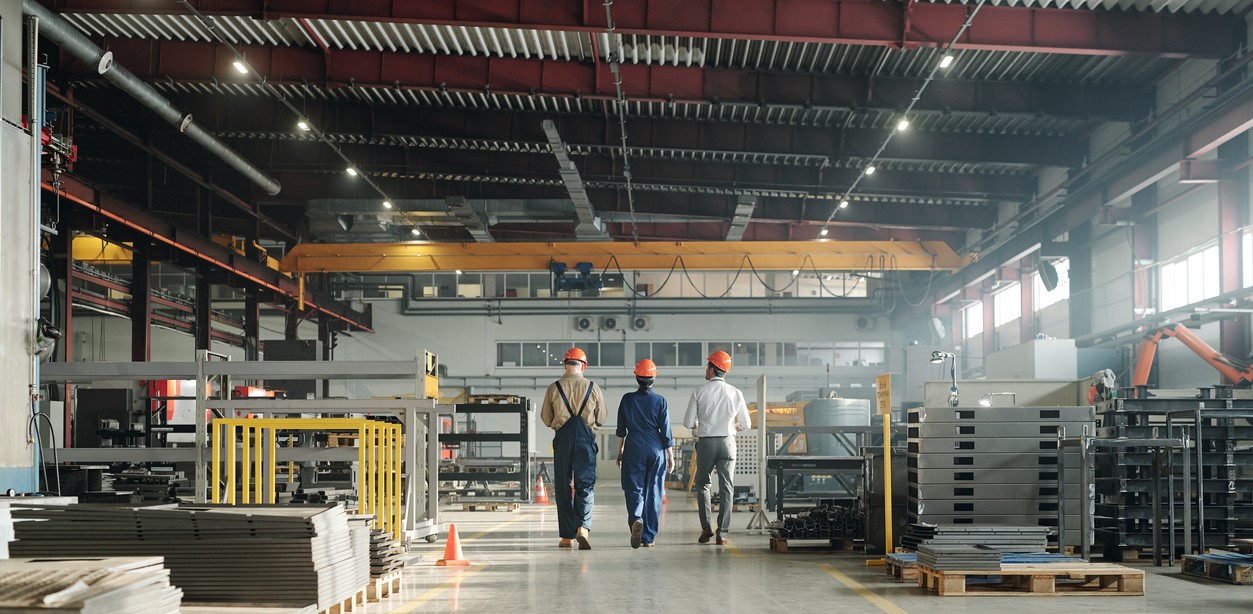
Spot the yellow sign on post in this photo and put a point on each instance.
(883, 394)
(883, 402)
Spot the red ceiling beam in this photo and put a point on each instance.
(851, 22)
(203, 62)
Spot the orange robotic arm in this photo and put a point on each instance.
(1236, 372)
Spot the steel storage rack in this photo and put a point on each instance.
(1215, 490)
(989, 465)
(417, 415)
(500, 471)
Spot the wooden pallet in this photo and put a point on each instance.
(781, 545)
(347, 604)
(1232, 569)
(488, 506)
(1035, 580)
(903, 571)
(382, 587)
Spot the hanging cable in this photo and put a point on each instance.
(904, 119)
(614, 50)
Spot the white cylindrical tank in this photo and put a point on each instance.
(834, 412)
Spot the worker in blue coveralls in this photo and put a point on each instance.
(645, 454)
(574, 406)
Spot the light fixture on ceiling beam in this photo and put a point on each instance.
(387, 204)
(415, 232)
(240, 66)
(824, 232)
(352, 171)
(843, 204)
(902, 125)
(303, 125)
(946, 61)
(870, 169)
(795, 272)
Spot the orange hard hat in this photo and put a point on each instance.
(576, 354)
(721, 360)
(646, 368)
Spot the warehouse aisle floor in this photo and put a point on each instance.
(517, 567)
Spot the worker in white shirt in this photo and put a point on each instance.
(715, 413)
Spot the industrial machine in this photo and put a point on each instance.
(1238, 372)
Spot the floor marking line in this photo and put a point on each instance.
(878, 600)
(437, 590)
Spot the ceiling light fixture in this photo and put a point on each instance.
(902, 125)
(946, 61)
(303, 125)
(415, 232)
(795, 272)
(843, 204)
(870, 169)
(352, 172)
(387, 204)
(824, 232)
(240, 66)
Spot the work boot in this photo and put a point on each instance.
(705, 534)
(566, 542)
(584, 544)
(637, 533)
(720, 541)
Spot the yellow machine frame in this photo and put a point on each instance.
(378, 462)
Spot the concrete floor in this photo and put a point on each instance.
(517, 567)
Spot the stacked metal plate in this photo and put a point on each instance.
(386, 554)
(992, 465)
(959, 557)
(138, 585)
(1002, 538)
(1124, 476)
(282, 556)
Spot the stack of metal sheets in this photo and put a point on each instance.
(262, 555)
(386, 555)
(1002, 538)
(959, 557)
(138, 585)
(976, 465)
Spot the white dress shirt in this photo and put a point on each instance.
(715, 409)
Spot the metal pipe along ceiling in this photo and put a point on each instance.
(63, 33)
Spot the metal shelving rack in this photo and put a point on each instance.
(418, 415)
(522, 474)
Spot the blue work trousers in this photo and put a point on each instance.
(643, 481)
(574, 461)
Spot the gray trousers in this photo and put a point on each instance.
(715, 453)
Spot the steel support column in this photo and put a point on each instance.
(1080, 256)
(1144, 206)
(141, 300)
(1233, 214)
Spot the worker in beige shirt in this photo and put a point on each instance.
(574, 406)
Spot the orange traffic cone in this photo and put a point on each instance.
(541, 493)
(453, 556)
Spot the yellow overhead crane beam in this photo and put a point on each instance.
(609, 256)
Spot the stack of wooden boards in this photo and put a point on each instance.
(138, 585)
(281, 556)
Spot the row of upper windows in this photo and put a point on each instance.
(693, 353)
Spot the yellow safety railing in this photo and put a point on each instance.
(253, 479)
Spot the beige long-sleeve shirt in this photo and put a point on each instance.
(554, 412)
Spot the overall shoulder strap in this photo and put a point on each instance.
(564, 398)
(588, 395)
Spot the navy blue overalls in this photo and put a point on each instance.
(644, 420)
(574, 460)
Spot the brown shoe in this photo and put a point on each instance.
(637, 531)
(566, 543)
(584, 544)
(705, 534)
(720, 541)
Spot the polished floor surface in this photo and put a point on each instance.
(517, 567)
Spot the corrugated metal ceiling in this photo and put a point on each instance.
(638, 49)
(1159, 6)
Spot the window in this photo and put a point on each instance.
(1007, 305)
(972, 319)
(508, 355)
(1190, 279)
(613, 354)
(1246, 258)
(1045, 298)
